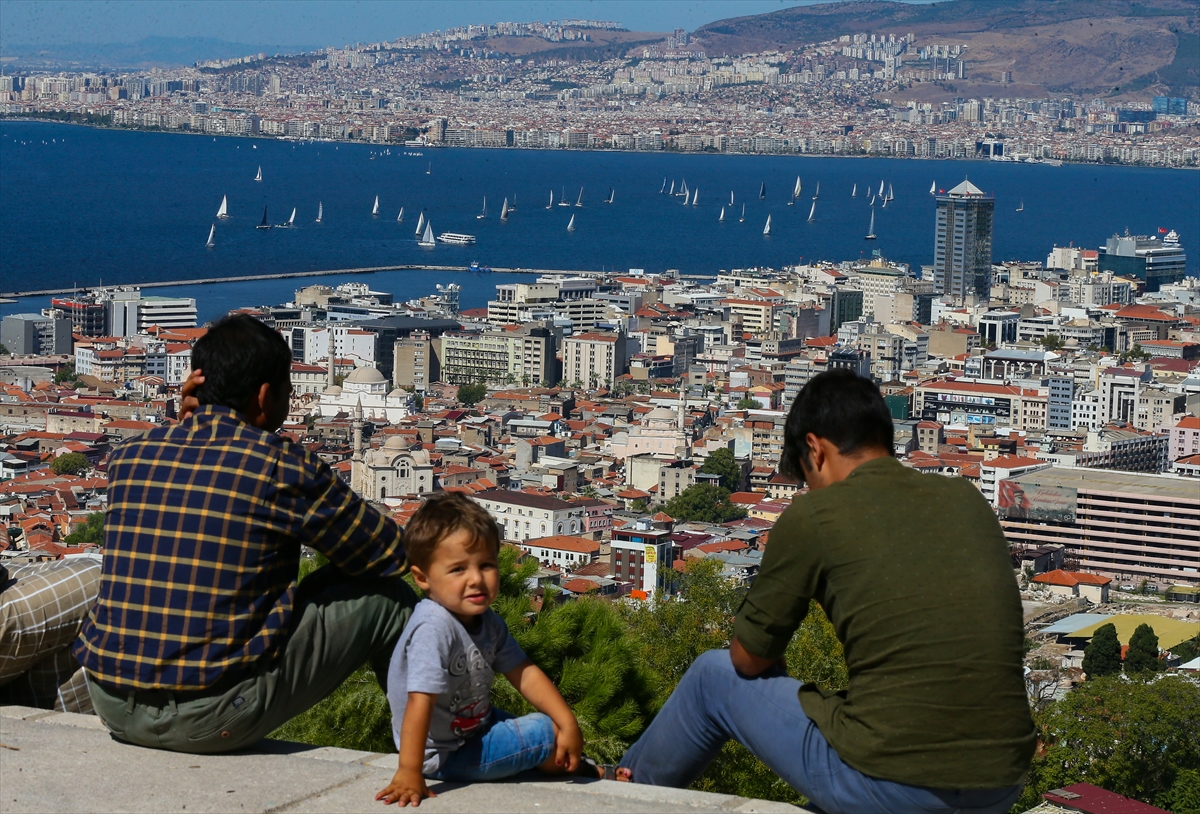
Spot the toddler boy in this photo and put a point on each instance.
(441, 674)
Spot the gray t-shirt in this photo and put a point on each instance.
(436, 654)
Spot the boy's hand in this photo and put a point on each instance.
(406, 788)
(568, 745)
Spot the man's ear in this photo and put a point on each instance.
(816, 453)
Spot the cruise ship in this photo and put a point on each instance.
(456, 238)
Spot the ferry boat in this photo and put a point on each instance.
(456, 238)
(475, 266)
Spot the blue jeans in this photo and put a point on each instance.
(713, 703)
(508, 746)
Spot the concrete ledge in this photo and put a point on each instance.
(67, 762)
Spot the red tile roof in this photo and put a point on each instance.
(1070, 578)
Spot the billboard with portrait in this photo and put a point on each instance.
(1034, 501)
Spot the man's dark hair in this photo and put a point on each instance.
(438, 518)
(844, 409)
(238, 355)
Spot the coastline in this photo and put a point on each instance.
(17, 117)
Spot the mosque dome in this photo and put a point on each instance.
(332, 390)
(396, 443)
(365, 375)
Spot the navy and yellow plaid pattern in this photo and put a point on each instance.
(202, 548)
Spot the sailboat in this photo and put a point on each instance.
(817, 194)
(742, 219)
(885, 200)
(854, 192)
(672, 192)
(695, 195)
(429, 169)
(264, 224)
(321, 211)
(400, 217)
(375, 208)
(890, 194)
(871, 200)
(684, 193)
(871, 229)
(211, 233)
(292, 220)
(933, 188)
(482, 214)
(420, 224)
(512, 207)
(611, 194)
(504, 212)
(731, 197)
(579, 200)
(223, 212)
(1021, 208)
(795, 191)
(767, 228)
(812, 211)
(259, 176)
(571, 223)
(664, 186)
(880, 188)
(427, 241)
(562, 198)
(721, 219)
(551, 204)
(762, 191)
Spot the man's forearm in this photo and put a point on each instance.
(747, 663)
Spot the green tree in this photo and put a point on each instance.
(66, 375)
(73, 463)
(721, 462)
(1136, 738)
(1051, 341)
(89, 532)
(1143, 651)
(748, 403)
(3, 350)
(471, 393)
(1102, 656)
(705, 503)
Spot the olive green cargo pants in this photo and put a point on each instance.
(338, 624)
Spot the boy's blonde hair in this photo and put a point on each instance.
(438, 518)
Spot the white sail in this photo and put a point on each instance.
(695, 196)
(320, 211)
(420, 224)
(292, 220)
(211, 234)
(767, 228)
(685, 200)
(562, 198)
(812, 211)
(880, 187)
(429, 169)
(796, 189)
(427, 238)
(482, 214)
(685, 189)
(571, 223)
(400, 217)
(722, 218)
(672, 192)
(551, 199)
(742, 219)
(871, 228)
(890, 194)
(1021, 208)
(933, 188)
(579, 200)
(762, 191)
(375, 208)
(504, 211)
(611, 194)
(731, 197)
(854, 192)
(664, 186)
(817, 194)
(259, 176)
(223, 212)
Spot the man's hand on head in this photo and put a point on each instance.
(189, 403)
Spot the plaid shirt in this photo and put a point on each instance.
(202, 549)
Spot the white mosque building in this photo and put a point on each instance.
(367, 387)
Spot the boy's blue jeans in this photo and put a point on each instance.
(713, 704)
(508, 746)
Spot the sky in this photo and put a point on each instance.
(332, 22)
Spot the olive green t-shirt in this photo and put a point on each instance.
(914, 573)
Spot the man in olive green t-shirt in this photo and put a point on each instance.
(914, 573)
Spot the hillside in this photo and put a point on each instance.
(1084, 47)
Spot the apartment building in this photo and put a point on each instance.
(522, 516)
(1120, 524)
(1001, 405)
(594, 358)
(525, 354)
(414, 363)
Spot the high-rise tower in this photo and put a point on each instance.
(962, 253)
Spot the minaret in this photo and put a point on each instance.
(332, 356)
(682, 402)
(358, 428)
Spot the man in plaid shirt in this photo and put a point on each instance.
(201, 639)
